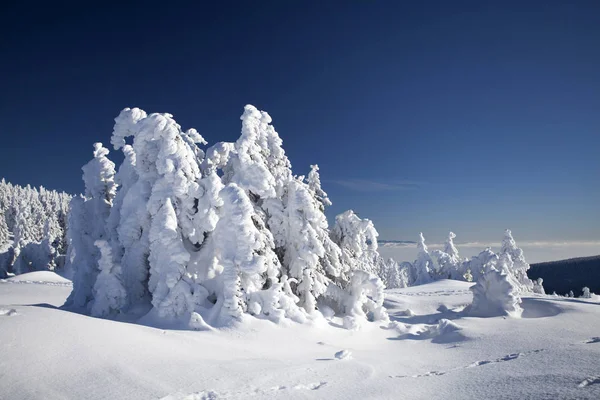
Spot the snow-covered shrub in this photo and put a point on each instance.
(361, 300)
(7, 256)
(494, 294)
(538, 286)
(34, 256)
(586, 294)
(477, 266)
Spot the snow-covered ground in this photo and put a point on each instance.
(535, 252)
(429, 352)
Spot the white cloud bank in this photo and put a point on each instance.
(538, 251)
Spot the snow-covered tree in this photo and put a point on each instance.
(397, 276)
(448, 260)
(494, 295)
(109, 293)
(586, 294)
(314, 183)
(423, 267)
(364, 300)
(538, 286)
(520, 265)
(88, 224)
(358, 240)
(306, 225)
(244, 254)
(477, 266)
(4, 233)
(209, 236)
(172, 294)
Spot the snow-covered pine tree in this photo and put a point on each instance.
(397, 276)
(520, 265)
(357, 238)
(304, 248)
(448, 260)
(177, 212)
(109, 296)
(4, 233)
(477, 265)
(172, 294)
(88, 222)
(243, 254)
(167, 167)
(538, 286)
(423, 267)
(32, 216)
(314, 183)
(586, 294)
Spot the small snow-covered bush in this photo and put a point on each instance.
(586, 294)
(538, 286)
(494, 295)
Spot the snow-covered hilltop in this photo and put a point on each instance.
(214, 235)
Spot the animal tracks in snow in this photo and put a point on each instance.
(508, 357)
(213, 395)
(592, 380)
(593, 340)
(438, 293)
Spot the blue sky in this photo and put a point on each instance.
(423, 116)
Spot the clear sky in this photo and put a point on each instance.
(423, 115)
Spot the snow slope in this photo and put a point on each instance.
(429, 352)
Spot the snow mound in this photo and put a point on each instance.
(40, 277)
(4, 312)
(445, 331)
(343, 354)
(197, 323)
(538, 308)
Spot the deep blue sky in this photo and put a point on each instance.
(423, 116)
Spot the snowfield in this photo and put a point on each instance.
(428, 351)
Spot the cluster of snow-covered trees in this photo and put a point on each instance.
(214, 235)
(500, 278)
(32, 228)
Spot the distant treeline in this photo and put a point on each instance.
(572, 274)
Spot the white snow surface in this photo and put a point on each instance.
(429, 351)
(42, 277)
